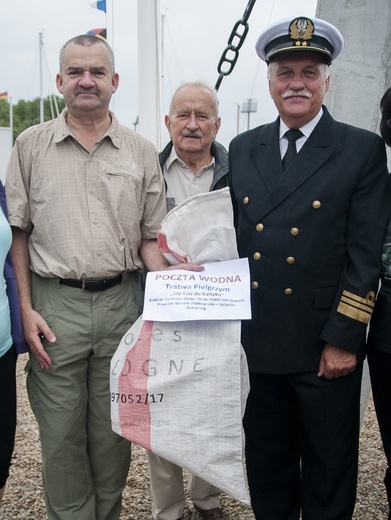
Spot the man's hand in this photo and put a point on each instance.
(185, 267)
(155, 260)
(35, 329)
(34, 326)
(336, 362)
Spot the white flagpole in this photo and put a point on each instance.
(11, 121)
(111, 41)
(41, 112)
(149, 75)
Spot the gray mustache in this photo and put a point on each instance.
(191, 134)
(293, 93)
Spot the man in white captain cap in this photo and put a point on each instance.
(311, 207)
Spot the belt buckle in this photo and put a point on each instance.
(89, 285)
(93, 285)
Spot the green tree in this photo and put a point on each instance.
(27, 113)
(4, 113)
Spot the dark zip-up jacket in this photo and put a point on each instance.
(220, 155)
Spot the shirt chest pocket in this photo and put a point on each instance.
(121, 192)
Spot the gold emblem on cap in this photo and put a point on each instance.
(301, 29)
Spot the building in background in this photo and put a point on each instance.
(360, 76)
(362, 72)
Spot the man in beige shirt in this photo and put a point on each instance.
(85, 198)
(192, 162)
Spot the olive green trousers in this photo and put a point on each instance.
(84, 463)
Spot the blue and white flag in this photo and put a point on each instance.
(100, 4)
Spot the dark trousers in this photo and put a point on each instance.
(7, 411)
(302, 436)
(380, 371)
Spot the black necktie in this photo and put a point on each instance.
(292, 136)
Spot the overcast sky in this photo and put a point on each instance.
(195, 36)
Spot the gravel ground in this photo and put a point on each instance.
(23, 497)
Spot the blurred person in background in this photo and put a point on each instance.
(379, 339)
(12, 343)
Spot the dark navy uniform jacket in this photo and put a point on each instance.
(313, 237)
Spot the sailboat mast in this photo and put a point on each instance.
(149, 70)
(41, 114)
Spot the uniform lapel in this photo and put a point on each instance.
(266, 156)
(309, 161)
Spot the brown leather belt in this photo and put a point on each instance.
(94, 285)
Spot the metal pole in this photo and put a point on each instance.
(149, 73)
(41, 113)
(11, 121)
(249, 105)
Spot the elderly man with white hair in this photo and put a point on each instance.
(310, 204)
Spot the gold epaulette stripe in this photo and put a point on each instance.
(369, 300)
(354, 313)
(358, 305)
(355, 307)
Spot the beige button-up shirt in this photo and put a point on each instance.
(86, 213)
(182, 183)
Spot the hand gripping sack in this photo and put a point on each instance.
(179, 388)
